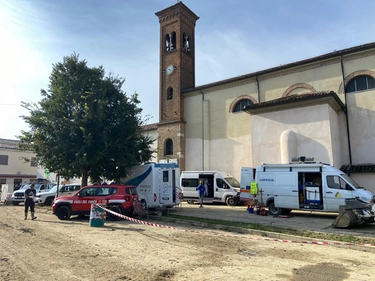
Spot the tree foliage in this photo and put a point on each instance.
(85, 125)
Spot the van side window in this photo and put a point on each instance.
(221, 184)
(190, 182)
(333, 182)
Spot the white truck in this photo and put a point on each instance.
(301, 186)
(158, 184)
(220, 187)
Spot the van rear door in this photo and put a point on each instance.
(167, 186)
(286, 190)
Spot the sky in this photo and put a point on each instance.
(233, 37)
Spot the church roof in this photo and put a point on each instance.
(358, 168)
(150, 127)
(334, 54)
(329, 97)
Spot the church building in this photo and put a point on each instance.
(323, 107)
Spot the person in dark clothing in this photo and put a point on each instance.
(201, 189)
(30, 194)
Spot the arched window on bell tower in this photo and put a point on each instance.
(167, 43)
(170, 93)
(168, 147)
(170, 42)
(186, 43)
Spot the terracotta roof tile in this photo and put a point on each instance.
(358, 168)
(314, 97)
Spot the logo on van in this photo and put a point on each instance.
(269, 180)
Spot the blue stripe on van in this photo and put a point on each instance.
(166, 165)
(138, 179)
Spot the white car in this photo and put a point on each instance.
(46, 198)
(18, 196)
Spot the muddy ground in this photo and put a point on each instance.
(50, 249)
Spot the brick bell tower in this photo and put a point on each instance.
(177, 72)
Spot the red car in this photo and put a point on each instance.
(116, 197)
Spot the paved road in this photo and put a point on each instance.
(302, 220)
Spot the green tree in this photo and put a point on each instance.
(85, 125)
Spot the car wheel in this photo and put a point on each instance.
(190, 201)
(112, 217)
(230, 201)
(48, 201)
(15, 203)
(274, 210)
(63, 213)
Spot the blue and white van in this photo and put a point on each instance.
(158, 184)
(301, 186)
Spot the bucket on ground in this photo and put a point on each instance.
(250, 209)
(97, 215)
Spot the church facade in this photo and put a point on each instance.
(322, 107)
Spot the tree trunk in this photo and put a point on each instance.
(85, 172)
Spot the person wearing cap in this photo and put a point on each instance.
(30, 194)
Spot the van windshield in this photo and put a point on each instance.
(233, 182)
(351, 181)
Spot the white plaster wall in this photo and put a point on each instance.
(227, 141)
(322, 76)
(335, 132)
(16, 164)
(355, 63)
(312, 130)
(234, 140)
(361, 110)
(366, 180)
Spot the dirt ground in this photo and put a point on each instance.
(50, 249)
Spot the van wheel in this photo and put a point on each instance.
(144, 205)
(63, 213)
(230, 201)
(274, 210)
(189, 201)
(112, 217)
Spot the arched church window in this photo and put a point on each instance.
(360, 83)
(185, 43)
(170, 93)
(169, 147)
(241, 104)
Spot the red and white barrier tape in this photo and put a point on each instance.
(238, 236)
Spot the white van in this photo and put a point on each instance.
(301, 186)
(220, 187)
(158, 184)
